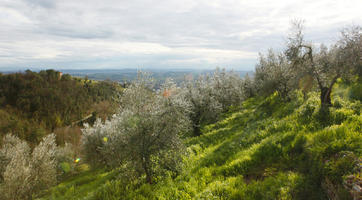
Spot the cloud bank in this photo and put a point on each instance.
(72, 34)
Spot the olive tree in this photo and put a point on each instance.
(92, 141)
(274, 73)
(212, 94)
(44, 164)
(153, 122)
(204, 104)
(325, 64)
(25, 172)
(17, 172)
(227, 88)
(350, 49)
(248, 87)
(145, 131)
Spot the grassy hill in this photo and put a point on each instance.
(267, 149)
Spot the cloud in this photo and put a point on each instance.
(163, 33)
(41, 3)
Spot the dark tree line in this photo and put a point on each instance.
(47, 100)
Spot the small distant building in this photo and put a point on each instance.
(60, 74)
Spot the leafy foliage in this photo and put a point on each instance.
(24, 172)
(325, 64)
(210, 96)
(248, 142)
(258, 152)
(34, 104)
(274, 73)
(145, 133)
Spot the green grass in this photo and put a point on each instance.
(268, 149)
(80, 186)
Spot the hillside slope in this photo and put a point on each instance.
(34, 104)
(267, 149)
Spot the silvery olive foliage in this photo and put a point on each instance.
(211, 95)
(92, 142)
(65, 156)
(350, 47)
(227, 88)
(273, 73)
(16, 182)
(144, 132)
(205, 106)
(325, 64)
(248, 87)
(44, 164)
(24, 172)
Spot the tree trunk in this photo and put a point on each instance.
(326, 96)
(196, 129)
(196, 124)
(148, 177)
(147, 169)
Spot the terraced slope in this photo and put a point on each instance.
(267, 149)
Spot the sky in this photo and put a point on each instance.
(170, 34)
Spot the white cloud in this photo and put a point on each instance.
(163, 33)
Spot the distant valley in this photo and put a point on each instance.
(126, 75)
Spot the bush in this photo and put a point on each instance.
(65, 157)
(44, 164)
(26, 173)
(92, 143)
(356, 91)
(17, 176)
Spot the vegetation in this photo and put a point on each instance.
(269, 149)
(211, 95)
(325, 64)
(145, 134)
(270, 136)
(25, 172)
(33, 104)
(274, 73)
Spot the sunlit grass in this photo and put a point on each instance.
(267, 149)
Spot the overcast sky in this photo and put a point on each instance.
(75, 34)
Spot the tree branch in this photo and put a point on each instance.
(314, 71)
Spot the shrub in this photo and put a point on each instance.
(92, 142)
(342, 164)
(356, 91)
(43, 164)
(17, 175)
(26, 173)
(65, 157)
